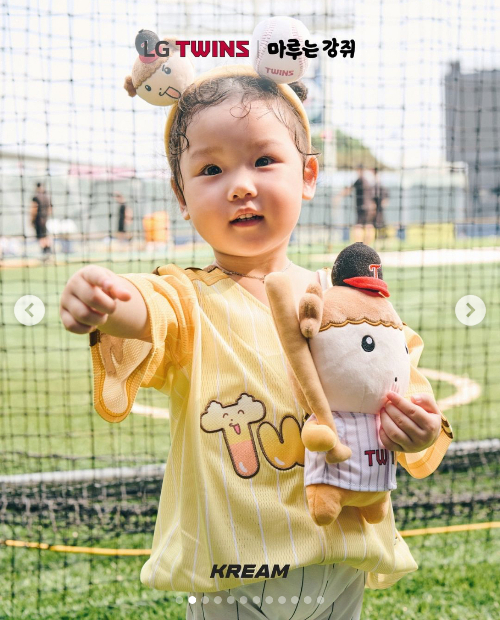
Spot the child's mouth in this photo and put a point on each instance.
(249, 221)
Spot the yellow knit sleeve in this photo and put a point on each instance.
(422, 464)
(122, 365)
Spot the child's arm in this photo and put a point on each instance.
(96, 297)
(146, 324)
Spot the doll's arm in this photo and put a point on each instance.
(280, 294)
(422, 464)
(311, 311)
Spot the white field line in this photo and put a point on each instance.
(467, 389)
(153, 412)
(429, 258)
(142, 472)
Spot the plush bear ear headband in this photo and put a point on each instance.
(161, 79)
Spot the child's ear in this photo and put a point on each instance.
(180, 200)
(310, 176)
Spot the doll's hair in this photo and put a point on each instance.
(352, 307)
(216, 90)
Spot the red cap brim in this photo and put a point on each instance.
(372, 284)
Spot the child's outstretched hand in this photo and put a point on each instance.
(409, 426)
(90, 297)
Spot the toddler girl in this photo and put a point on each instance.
(233, 524)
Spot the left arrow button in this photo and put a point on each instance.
(29, 310)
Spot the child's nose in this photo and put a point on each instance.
(242, 187)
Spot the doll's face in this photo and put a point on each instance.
(359, 364)
(164, 86)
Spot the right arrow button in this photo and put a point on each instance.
(470, 310)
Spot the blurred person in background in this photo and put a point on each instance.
(41, 210)
(380, 197)
(125, 216)
(365, 208)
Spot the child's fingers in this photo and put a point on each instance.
(422, 410)
(388, 443)
(72, 325)
(403, 421)
(116, 291)
(426, 401)
(396, 435)
(412, 410)
(95, 298)
(105, 280)
(402, 430)
(82, 313)
(95, 275)
(401, 403)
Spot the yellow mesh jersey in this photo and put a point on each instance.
(233, 491)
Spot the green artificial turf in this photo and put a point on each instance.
(457, 579)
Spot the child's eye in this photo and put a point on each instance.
(266, 157)
(208, 168)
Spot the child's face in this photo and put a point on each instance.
(243, 176)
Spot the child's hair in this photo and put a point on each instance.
(215, 91)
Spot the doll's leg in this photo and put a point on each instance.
(324, 502)
(376, 512)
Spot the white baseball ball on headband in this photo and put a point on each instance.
(273, 30)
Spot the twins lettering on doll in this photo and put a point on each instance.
(247, 571)
(380, 455)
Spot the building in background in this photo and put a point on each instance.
(472, 109)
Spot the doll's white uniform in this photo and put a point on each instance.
(233, 491)
(370, 468)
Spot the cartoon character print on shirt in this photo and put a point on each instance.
(234, 422)
(282, 448)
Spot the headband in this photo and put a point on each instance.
(160, 76)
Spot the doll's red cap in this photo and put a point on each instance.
(372, 284)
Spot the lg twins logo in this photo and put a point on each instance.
(200, 49)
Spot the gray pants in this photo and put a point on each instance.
(327, 592)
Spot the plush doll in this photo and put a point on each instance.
(346, 351)
(159, 79)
